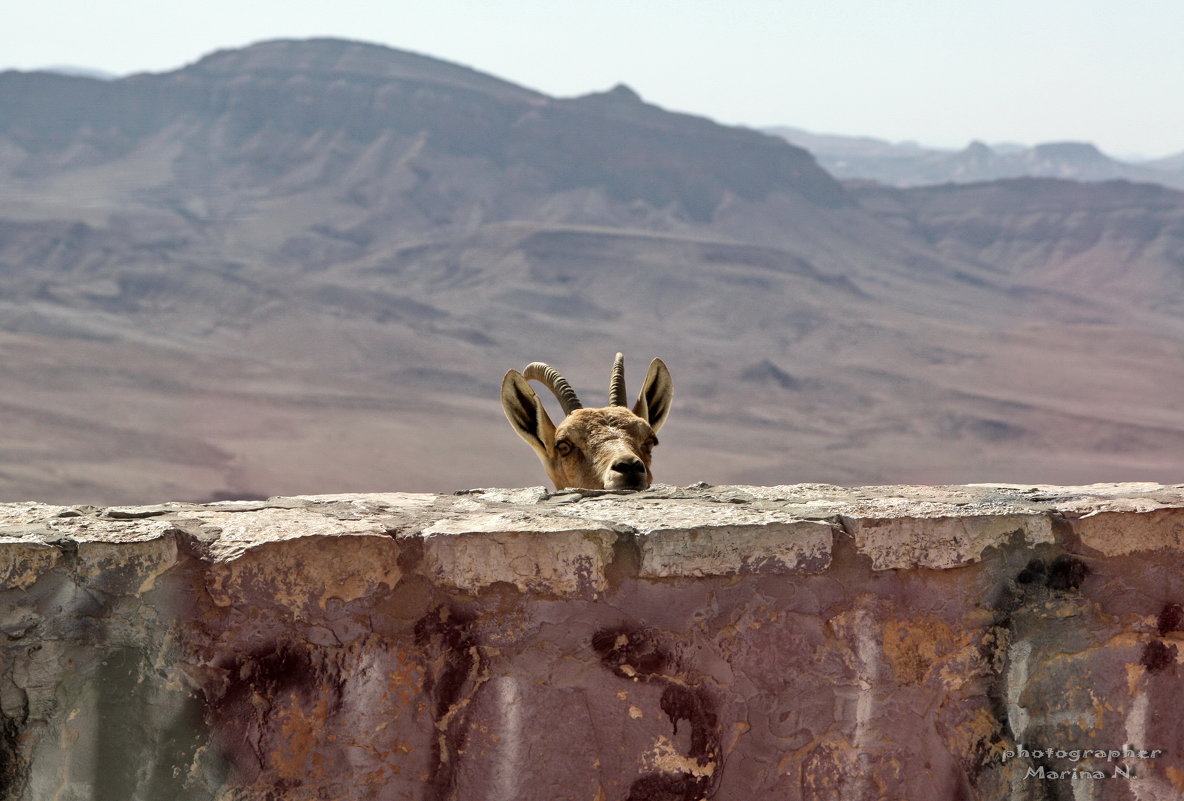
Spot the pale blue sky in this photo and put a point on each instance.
(941, 72)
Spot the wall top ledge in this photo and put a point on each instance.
(476, 537)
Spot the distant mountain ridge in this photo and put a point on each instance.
(905, 165)
(321, 60)
(304, 266)
(292, 89)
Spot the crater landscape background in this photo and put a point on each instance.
(304, 266)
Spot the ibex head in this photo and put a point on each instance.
(607, 448)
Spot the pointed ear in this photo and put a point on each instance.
(526, 414)
(653, 403)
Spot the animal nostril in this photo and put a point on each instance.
(627, 466)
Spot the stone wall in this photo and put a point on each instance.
(747, 643)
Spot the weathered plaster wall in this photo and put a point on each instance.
(748, 643)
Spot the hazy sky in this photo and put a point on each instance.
(941, 72)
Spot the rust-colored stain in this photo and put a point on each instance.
(829, 771)
(298, 754)
(975, 736)
(1134, 673)
(1100, 708)
(914, 645)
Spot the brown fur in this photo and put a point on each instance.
(605, 448)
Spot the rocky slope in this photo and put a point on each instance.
(1056, 235)
(304, 266)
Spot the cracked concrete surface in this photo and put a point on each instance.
(732, 642)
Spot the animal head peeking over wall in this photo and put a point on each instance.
(606, 448)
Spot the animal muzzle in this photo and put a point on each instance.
(627, 472)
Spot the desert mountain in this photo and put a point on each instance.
(304, 266)
(907, 164)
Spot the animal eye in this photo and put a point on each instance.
(564, 448)
(651, 442)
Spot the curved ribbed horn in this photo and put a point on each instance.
(616, 388)
(557, 384)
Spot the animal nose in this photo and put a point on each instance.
(629, 467)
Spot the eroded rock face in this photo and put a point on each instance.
(800, 642)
